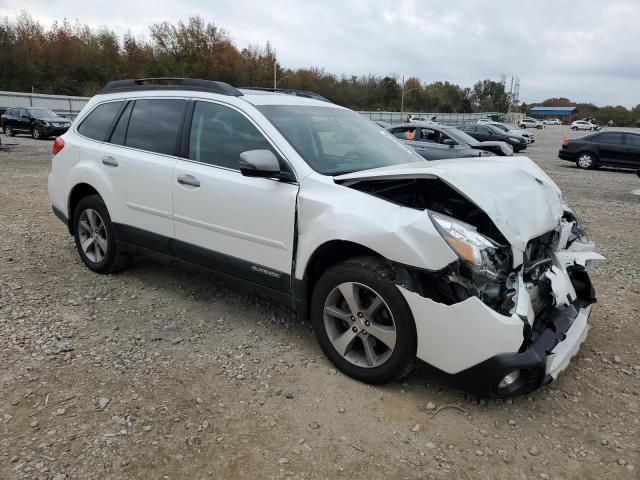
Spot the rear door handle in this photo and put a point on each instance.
(188, 180)
(109, 161)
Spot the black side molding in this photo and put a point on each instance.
(210, 259)
(58, 213)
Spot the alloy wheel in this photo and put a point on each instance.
(36, 133)
(360, 325)
(585, 160)
(93, 235)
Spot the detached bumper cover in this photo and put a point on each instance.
(478, 346)
(539, 364)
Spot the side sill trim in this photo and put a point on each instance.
(58, 213)
(209, 259)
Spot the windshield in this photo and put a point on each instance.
(495, 129)
(42, 113)
(460, 137)
(335, 141)
(500, 127)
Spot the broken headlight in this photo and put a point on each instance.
(472, 247)
(577, 231)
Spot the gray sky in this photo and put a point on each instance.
(586, 50)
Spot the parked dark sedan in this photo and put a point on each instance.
(617, 149)
(39, 122)
(483, 133)
(436, 142)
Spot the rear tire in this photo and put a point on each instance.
(370, 336)
(95, 237)
(8, 131)
(586, 161)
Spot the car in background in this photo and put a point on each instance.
(583, 125)
(485, 133)
(552, 121)
(437, 142)
(528, 136)
(39, 122)
(610, 148)
(423, 119)
(528, 122)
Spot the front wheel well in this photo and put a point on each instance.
(78, 193)
(326, 256)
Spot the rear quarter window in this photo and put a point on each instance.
(633, 139)
(611, 138)
(154, 125)
(96, 125)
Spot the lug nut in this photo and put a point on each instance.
(364, 332)
(353, 319)
(355, 329)
(359, 314)
(367, 323)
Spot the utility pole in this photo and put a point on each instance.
(275, 72)
(402, 101)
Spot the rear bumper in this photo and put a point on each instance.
(565, 155)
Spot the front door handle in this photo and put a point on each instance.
(188, 180)
(109, 161)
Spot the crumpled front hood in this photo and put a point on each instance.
(514, 192)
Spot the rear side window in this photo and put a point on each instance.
(633, 139)
(96, 125)
(611, 138)
(154, 125)
(220, 134)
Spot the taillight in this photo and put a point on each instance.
(58, 145)
(565, 141)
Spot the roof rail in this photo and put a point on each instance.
(168, 83)
(291, 91)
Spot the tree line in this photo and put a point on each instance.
(74, 59)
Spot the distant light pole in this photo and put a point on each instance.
(402, 101)
(275, 85)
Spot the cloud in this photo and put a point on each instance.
(587, 50)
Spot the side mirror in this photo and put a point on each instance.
(448, 141)
(259, 163)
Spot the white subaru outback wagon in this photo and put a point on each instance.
(474, 266)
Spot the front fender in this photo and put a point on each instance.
(328, 212)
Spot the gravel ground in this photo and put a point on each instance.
(161, 373)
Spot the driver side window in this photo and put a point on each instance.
(220, 134)
(428, 135)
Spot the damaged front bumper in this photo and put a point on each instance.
(494, 355)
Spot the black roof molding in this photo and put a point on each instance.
(166, 83)
(290, 91)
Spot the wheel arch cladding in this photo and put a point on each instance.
(324, 257)
(78, 192)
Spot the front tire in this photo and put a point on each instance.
(586, 161)
(36, 133)
(362, 321)
(95, 237)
